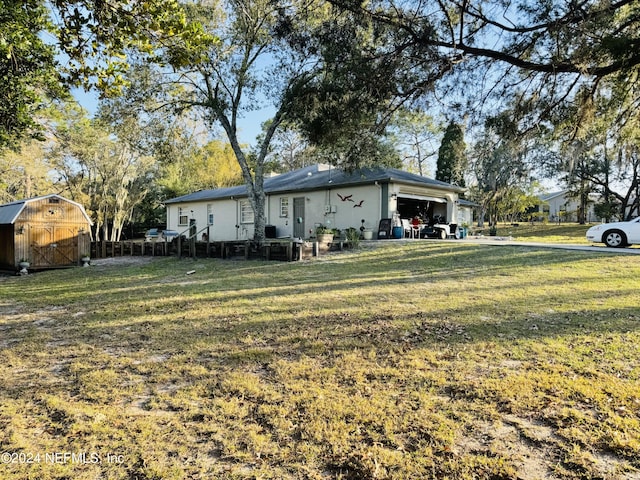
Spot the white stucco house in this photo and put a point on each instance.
(298, 201)
(564, 206)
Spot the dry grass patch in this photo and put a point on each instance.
(417, 361)
(566, 232)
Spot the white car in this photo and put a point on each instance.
(617, 234)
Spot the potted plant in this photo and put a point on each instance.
(367, 233)
(324, 234)
(463, 229)
(353, 237)
(24, 264)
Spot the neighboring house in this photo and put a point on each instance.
(465, 211)
(562, 206)
(632, 210)
(298, 201)
(48, 231)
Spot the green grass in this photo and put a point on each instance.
(545, 232)
(416, 361)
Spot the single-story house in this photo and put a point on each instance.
(299, 201)
(48, 231)
(564, 205)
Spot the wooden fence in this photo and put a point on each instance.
(271, 249)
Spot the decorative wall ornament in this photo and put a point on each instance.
(346, 198)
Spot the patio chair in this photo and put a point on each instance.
(406, 228)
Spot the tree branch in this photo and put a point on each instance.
(423, 35)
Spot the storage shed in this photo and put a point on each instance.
(48, 231)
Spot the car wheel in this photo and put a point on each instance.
(614, 239)
(442, 234)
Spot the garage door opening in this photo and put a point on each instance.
(429, 210)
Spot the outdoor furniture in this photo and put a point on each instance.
(384, 229)
(416, 229)
(406, 228)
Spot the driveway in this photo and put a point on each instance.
(562, 246)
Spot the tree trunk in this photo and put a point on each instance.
(259, 202)
(582, 209)
(253, 181)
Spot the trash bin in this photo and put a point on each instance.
(463, 232)
(270, 231)
(397, 232)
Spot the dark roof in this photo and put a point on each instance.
(467, 203)
(9, 212)
(319, 178)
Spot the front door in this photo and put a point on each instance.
(298, 217)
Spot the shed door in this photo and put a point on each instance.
(53, 245)
(298, 217)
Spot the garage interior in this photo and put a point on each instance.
(429, 210)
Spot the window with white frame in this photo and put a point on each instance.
(284, 206)
(246, 212)
(209, 214)
(183, 216)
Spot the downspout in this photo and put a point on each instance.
(380, 209)
(237, 218)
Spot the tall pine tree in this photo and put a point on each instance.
(452, 160)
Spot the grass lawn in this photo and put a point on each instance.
(415, 361)
(572, 233)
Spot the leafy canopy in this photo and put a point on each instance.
(27, 69)
(44, 50)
